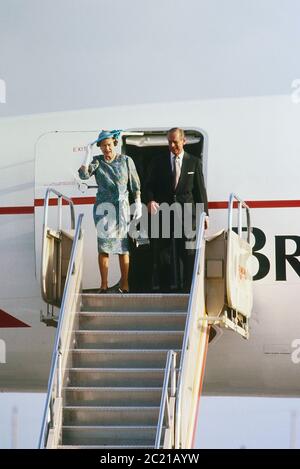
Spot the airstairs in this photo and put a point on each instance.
(115, 381)
(127, 370)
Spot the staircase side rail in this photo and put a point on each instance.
(241, 204)
(188, 362)
(69, 201)
(56, 370)
(170, 374)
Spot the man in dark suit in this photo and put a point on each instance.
(177, 182)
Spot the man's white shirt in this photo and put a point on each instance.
(180, 157)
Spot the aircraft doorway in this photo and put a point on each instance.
(145, 146)
(58, 156)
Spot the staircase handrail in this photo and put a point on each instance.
(192, 311)
(170, 373)
(241, 204)
(55, 370)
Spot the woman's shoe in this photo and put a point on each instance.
(102, 290)
(121, 290)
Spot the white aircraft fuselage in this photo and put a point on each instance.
(252, 148)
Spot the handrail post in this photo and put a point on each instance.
(241, 205)
(230, 211)
(173, 375)
(248, 224)
(59, 203)
(59, 374)
(240, 222)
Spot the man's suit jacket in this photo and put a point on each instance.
(190, 187)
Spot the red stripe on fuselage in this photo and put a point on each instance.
(16, 210)
(258, 204)
(6, 320)
(221, 205)
(76, 201)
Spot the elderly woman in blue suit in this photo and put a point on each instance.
(115, 176)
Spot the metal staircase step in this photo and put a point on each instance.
(134, 302)
(98, 396)
(120, 358)
(112, 416)
(129, 339)
(123, 377)
(107, 435)
(140, 320)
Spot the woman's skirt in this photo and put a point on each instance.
(112, 225)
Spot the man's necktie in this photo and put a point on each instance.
(176, 171)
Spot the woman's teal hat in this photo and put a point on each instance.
(107, 134)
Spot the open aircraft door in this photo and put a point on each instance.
(59, 154)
